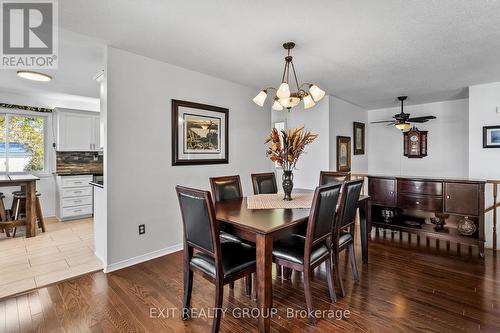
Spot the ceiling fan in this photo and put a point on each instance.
(402, 120)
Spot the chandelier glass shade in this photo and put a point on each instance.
(309, 93)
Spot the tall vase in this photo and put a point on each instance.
(287, 184)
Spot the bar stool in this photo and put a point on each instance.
(3, 215)
(19, 208)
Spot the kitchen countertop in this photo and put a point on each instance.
(78, 173)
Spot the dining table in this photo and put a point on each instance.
(28, 183)
(263, 227)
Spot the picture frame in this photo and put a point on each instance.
(358, 133)
(343, 153)
(200, 133)
(491, 136)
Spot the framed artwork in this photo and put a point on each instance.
(491, 136)
(358, 133)
(199, 134)
(343, 153)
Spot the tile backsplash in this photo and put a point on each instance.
(78, 162)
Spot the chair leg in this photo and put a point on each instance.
(219, 296)
(354, 266)
(307, 292)
(254, 289)
(338, 277)
(231, 285)
(16, 213)
(278, 270)
(248, 285)
(287, 273)
(329, 277)
(39, 215)
(188, 284)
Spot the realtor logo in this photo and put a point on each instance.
(29, 34)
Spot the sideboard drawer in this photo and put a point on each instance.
(76, 192)
(416, 202)
(420, 187)
(382, 191)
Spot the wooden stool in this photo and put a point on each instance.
(19, 207)
(3, 215)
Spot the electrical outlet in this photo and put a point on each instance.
(142, 229)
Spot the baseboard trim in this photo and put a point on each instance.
(142, 258)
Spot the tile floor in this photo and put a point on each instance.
(65, 250)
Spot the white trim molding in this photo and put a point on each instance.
(142, 258)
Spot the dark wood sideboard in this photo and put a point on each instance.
(415, 200)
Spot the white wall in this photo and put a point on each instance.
(343, 115)
(140, 180)
(484, 163)
(315, 157)
(447, 141)
(46, 186)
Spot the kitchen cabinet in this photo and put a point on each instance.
(74, 197)
(77, 130)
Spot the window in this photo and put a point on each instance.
(22, 143)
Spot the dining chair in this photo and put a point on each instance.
(305, 253)
(217, 260)
(344, 230)
(227, 188)
(264, 183)
(328, 177)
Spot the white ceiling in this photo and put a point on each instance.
(367, 52)
(80, 58)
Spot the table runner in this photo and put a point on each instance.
(270, 201)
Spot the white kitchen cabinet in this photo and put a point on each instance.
(74, 197)
(77, 130)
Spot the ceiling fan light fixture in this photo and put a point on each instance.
(308, 102)
(316, 93)
(260, 98)
(403, 126)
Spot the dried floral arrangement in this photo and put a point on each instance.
(285, 148)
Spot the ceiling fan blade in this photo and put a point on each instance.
(382, 121)
(391, 123)
(421, 119)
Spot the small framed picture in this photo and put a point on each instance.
(199, 134)
(359, 138)
(491, 136)
(343, 153)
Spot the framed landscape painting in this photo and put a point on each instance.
(491, 137)
(199, 133)
(343, 153)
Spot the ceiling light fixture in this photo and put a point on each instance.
(34, 76)
(284, 98)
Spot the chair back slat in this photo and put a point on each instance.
(264, 183)
(198, 218)
(333, 177)
(226, 188)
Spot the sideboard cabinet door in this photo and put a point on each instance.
(462, 198)
(382, 191)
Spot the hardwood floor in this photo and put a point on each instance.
(402, 289)
(65, 250)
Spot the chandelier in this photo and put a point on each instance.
(284, 98)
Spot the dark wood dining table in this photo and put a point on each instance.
(28, 184)
(262, 227)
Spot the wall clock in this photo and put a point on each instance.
(415, 143)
